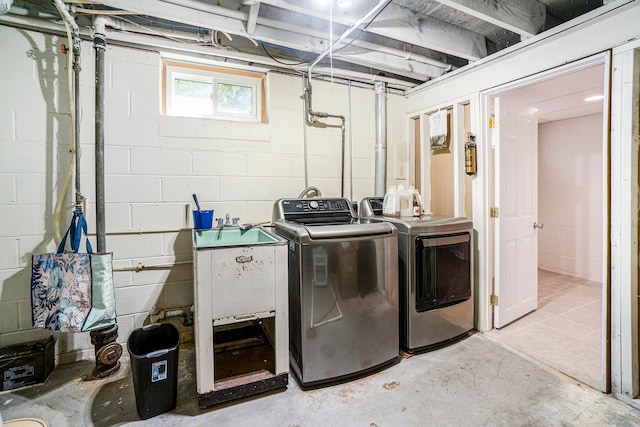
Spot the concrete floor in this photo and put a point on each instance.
(474, 382)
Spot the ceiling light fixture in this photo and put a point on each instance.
(340, 3)
(594, 98)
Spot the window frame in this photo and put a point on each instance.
(214, 75)
(235, 81)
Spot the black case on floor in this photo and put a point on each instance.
(26, 363)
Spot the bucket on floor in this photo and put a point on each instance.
(154, 365)
(203, 219)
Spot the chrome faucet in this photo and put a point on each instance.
(227, 221)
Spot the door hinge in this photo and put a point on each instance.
(494, 299)
(494, 212)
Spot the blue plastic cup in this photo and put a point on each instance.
(202, 219)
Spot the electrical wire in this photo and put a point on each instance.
(277, 60)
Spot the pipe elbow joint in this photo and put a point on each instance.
(100, 23)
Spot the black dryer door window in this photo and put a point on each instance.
(443, 270)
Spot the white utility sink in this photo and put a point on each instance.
(240, 279)
(232, 237)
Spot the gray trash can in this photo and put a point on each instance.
(154, 365)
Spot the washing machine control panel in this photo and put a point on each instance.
(299, 206)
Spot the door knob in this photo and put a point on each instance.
(536, 225)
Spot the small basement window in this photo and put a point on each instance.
(195, 90)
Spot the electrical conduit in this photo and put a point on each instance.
(309, 105)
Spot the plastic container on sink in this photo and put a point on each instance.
(202, 219)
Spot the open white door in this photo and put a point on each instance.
(516, 197)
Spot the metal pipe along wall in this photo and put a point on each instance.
(99, 44)
(381, 139)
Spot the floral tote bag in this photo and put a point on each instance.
(71, 291)
(61, 291)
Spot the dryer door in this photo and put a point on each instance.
(443, 270)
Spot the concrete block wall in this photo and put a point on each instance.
(570, 197)
(153, 164)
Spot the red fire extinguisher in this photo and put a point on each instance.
(470, 165)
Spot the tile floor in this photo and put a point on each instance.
(565, 332)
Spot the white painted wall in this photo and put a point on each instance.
(625, 205)
(570, 197)
(615, 30)
(539, 55)
(153, 164)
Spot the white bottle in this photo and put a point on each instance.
(406, 201)
(391, 203)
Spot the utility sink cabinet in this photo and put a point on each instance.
(241, 313)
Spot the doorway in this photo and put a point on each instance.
(565, 328)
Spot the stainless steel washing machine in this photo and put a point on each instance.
(435, 265)
(343, 290)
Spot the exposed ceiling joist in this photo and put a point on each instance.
(367, 17)
(203, 16)
(313, 26)
(403, 24)
(524, 17)
(364, 57)
(253, 17)
(293, 37)
(389, 63)
(406, 42)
